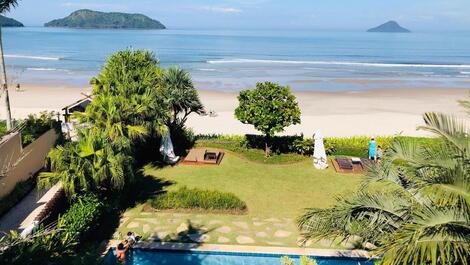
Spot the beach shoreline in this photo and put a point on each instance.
(337, 114)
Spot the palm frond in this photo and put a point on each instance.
(7, 5)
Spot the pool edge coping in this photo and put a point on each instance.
(196, 247)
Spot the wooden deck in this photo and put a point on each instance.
(196, 157)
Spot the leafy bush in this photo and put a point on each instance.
(186, 198)
(19, 192)
(3, 128)
(35, 126)
(82, 216)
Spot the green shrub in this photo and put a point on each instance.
(3, 128)
(35, 126)
(186, 198)
(19, 192)
(82, 216)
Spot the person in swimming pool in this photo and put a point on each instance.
(121, 251)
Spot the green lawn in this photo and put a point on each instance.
(268, 190)
(275, 196)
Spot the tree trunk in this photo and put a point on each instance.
(267, 150)
(4, 85)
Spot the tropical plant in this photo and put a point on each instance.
(5, 6)
(421, 213)
(127, 96)
(46, 246)
(127, 108)
(269, 108)
(181, 95)
(92, 164)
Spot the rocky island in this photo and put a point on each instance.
(89, 19)
(391, 26)
(9, 22)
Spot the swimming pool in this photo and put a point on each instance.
(152, 257)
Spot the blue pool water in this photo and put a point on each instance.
(141, 257)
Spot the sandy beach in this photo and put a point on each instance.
(368, 112)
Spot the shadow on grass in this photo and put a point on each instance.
(192, 234)
(147, 187)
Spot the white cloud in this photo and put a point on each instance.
(218, 9)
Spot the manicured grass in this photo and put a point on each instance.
(198, 199)
(268, 190)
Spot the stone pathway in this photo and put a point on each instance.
(211, 228)
(13, 218)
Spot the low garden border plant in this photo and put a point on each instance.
(197, 199)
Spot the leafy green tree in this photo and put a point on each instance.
(127, 108)
(422, 213)
(181, 95)
(269, 108)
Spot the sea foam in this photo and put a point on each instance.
(343, 63)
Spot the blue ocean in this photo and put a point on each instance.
(230, 60)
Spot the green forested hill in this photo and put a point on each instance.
(93, 19)
(9, 22)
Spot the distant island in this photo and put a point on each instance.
(89, 19)
(9, 22)
(391, 26)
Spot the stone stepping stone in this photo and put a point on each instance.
(223, 239)
(242, 225)
(245, 240)
(123, 220)
(261, 234)
(258, 223)
(148, 220)
(146, 228)
(215, 222)
(282, 234)
(182, 228)
(224, 229)
(133, 225)
(198, 222)
(280, 225)
(146, 214)
(272, 220)
(275, 243)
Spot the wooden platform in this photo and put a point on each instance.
(203, 156)
(357, 168)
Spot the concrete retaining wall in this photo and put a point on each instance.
(18, 164)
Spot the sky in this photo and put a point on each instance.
(425, 15)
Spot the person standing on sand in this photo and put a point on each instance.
(373, 149)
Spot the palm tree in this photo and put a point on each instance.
(414, 208)
(181, 95)
(5, 6)
(93, 164)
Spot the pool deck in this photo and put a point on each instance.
(249, 249)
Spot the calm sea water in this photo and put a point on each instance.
(233, 60)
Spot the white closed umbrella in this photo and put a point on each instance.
(166, 149)
(319, 154)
